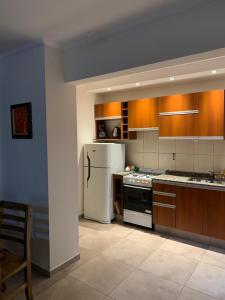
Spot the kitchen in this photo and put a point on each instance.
(184, 180)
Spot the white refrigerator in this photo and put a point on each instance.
(101, 160)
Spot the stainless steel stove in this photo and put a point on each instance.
(137, 195)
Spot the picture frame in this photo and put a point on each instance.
(21, 121)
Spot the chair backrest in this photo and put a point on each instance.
(15, 224)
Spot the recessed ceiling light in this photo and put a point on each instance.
(137, 83)
(213, 71)
(109, 89)
(172, 78)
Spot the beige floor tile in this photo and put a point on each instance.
(85, 256)
(186, 248)
(189, 294)
(84, 230)
(115, 229)
(153, 241)
(208, 279)
(69, 289)
(128, 252)
(145, 286)
(89, 223)
(168, 265)
(215, 256)
(103, 273)
(98, 241)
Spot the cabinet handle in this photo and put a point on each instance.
(164, 194)
(164, 205)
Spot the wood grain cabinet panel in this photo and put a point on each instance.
(107, 110)
(164, 187)
(143, 113)
(180, 102)
(190, 209)
(214, 214)
(211, 113)
(178, 125)
(163, 216)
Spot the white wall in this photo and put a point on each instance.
(62, 164)
(193, 31)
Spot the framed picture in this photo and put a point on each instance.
(21, 121)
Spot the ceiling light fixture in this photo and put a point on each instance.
(172, 78)
(213, 71)
(109, 89)
(137, 83)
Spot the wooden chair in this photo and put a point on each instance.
(15, 227)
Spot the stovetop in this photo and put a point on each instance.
(142, 178)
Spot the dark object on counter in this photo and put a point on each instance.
(101, 131)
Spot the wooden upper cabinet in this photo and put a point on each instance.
(211, 113)
(180, 102)
(143, 113)
(108, 110)
(178, 115)
(178, 125)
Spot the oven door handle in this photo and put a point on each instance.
(137, 187)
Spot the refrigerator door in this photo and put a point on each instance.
(98, 203)
(99, 155)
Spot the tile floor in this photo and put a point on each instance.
(128, 263)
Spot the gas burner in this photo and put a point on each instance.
(141, 179)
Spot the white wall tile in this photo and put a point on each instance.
(203, 147)
(151, 160)
(203, 163)
(167, 146)
(219, 163)
(219, 147)
(136, 145)
(166, 161)
(185, 146)
(151, 141)
(134, 158)
(184, 162)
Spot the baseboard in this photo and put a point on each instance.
(64, 265)
(81, 216)
(57, 269)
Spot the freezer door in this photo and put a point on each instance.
(99, 155)
(98, 202)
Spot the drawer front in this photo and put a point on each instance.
(163, 199)
(166, 188)
(163, 216)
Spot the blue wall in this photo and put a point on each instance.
(24, 162)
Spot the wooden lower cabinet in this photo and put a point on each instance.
(190, 208)
(214, 214)
(164, 216)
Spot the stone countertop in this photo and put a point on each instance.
(186, 182)
(122, 173)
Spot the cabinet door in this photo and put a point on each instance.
(178, 125)
(181, 102)
(211, 113)
(164, 204)
(164, 216)
(215, 214)
(190, 208)
(108, 110)
(143, 113)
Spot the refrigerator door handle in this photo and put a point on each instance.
(89, 168)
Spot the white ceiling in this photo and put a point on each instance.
(59, 22)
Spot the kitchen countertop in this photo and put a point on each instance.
(181, 180)
(122, 173)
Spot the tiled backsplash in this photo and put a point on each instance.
(148, 151)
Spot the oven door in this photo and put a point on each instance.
(137, 198)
